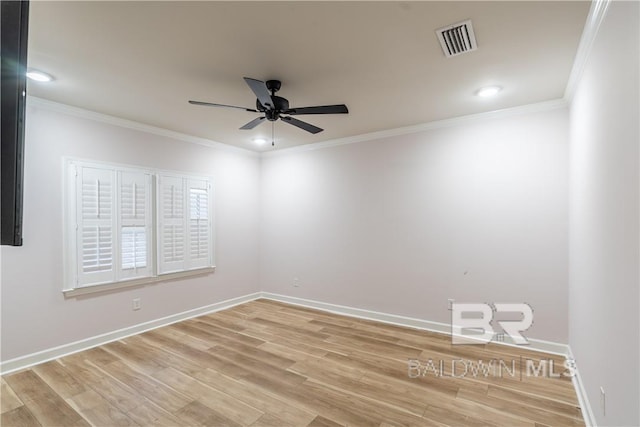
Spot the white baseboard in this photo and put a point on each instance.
(28, 360)
(393, 319)
(411, 322)
(535, 344)
(583, 399)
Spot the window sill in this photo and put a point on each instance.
(136, 282)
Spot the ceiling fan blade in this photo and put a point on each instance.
(209, 104)
(323, 109)
(262, 93)
(253, 123)
(302, 125)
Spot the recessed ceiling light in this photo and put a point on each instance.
(260, 141)
(488, 91)
(39, 76)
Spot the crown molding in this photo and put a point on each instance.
(596, 15)
(594, 20)
(439, 124)
(130, 124)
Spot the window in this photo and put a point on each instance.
(115, 234)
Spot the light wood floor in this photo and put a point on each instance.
(266, 363)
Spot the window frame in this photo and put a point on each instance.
(72, 200)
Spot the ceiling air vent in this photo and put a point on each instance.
(457, 39)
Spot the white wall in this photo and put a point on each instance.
(476, 212)
(36, 315)
(604, 243)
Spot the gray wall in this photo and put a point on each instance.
(476, 212)
(481, 211)
(604, 244)
(35, 313)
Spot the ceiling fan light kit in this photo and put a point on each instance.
(276, 107)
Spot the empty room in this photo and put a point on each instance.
(301, 213)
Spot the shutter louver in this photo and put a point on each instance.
(134, 247)
(199, 224)
(134, 224)
(97, 247)
(95, 226)
(172, 224)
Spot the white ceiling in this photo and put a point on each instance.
(144, 60)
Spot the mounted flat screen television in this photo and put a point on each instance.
(13, 45)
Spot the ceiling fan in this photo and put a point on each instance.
(275, 107)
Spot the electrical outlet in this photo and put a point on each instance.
(136, 304)
(603, 401)
(450, 302)
(296, 282)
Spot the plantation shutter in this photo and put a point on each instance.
(117, 231)
(171, 224)
(135, 224)
(199, 224)
(95, 230)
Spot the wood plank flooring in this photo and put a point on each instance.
(266, 363)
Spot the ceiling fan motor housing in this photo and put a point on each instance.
(281, 104)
